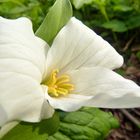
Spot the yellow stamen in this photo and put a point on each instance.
(52, 91)
(52, 79)
(58, 85)
(63, 79)
(67, 86)
(62, 91)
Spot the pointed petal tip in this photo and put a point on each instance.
(108, 89)
(119, 61)
(81, 47)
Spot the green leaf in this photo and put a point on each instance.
(122, 8)
(115, 26)
(34, 131)
(85, 124)
(57, 17)
(133, 22)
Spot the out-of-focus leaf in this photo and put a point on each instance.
(56, 18)
(122, 8)
(115, 26)
(121, 72)
(133, 22)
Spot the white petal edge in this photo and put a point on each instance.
(47, 109)
(7, 127)
(21, 98)
(107, 88)
(77, 46)
(68, 103)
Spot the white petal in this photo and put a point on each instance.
(6, 128)
(22, 63)
(109, 90)
(20, 50)
(47, 109)
(21, 98)
(77, 46)
(68, 103)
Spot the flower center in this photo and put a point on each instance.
(58, 85)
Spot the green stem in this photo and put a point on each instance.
(104, 13)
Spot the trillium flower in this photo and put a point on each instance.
(75, 71)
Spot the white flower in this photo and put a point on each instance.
(76, 71)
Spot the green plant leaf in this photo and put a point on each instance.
(122, 8)
(133, 22)
(34, 131)
(115, 26)
(57, 17)
(85, 124)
